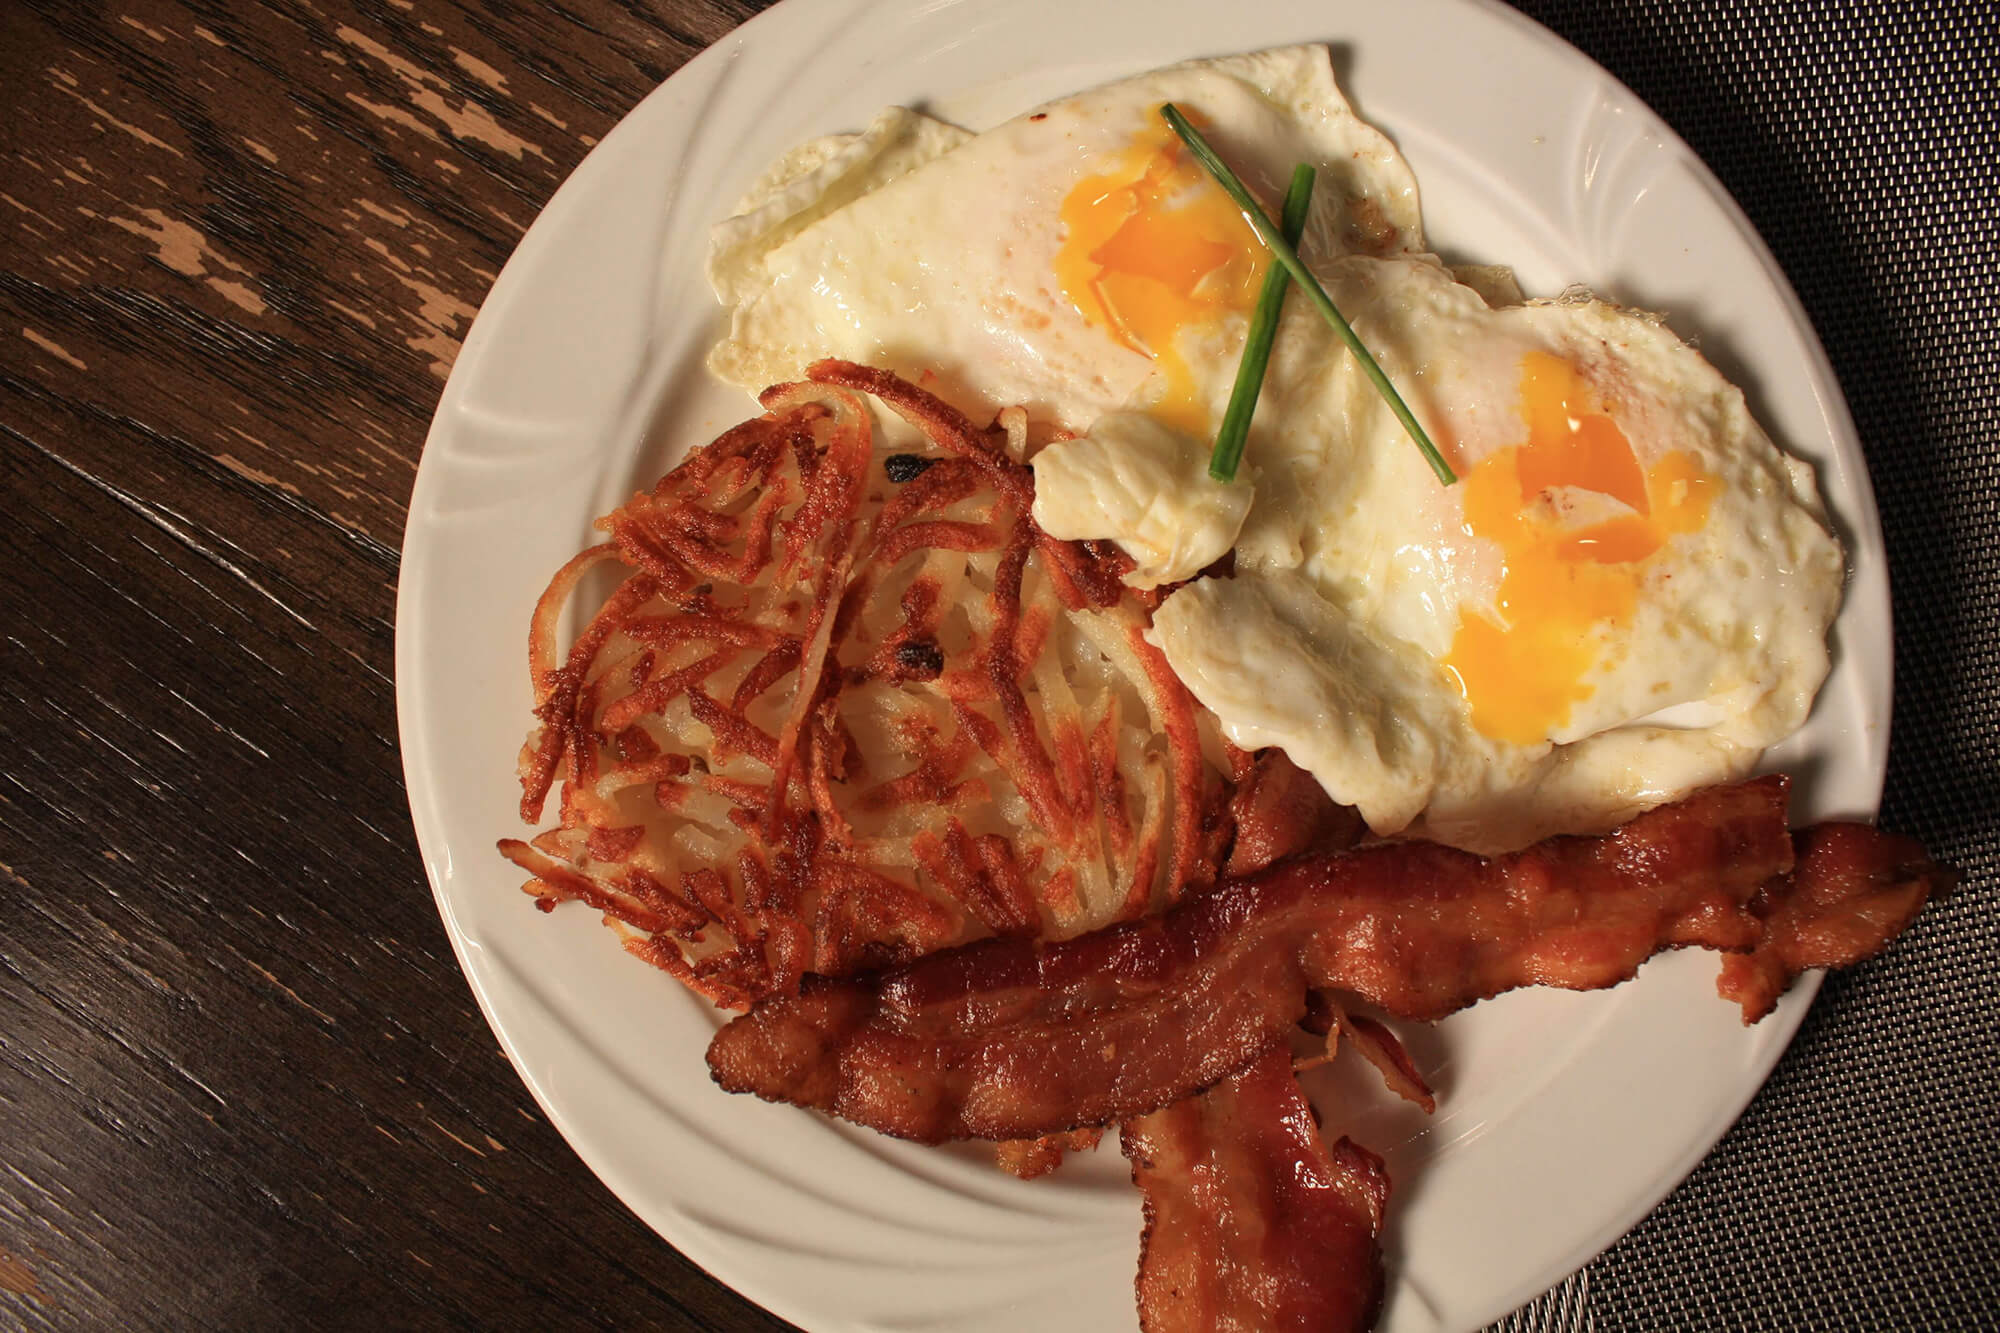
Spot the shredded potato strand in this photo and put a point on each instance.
(828, 722)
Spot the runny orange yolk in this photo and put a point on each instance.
(1151, 247)
(1562, 585)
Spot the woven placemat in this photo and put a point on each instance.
(1862, 1188)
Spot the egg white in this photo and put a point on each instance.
(1355, 568)
(946, 273)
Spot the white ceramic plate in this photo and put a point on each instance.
(1564, 1118)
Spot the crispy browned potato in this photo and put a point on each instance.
(846, 704)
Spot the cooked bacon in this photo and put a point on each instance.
(1854, 889)
(1280, 810)
(1327, 1015)
(1252, 1221)
(1384, 1049)
(1016, 1039)
(1030, 1158)
(1322, 1016)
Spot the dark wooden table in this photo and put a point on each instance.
(242, 1083)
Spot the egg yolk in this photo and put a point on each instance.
(1152, 246)
(1564, 585)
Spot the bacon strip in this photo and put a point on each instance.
(1853, 891)
(1252, 1221)
(1281, 811)
(1014, 1039)
(1028, 1159)
(1328, 1017)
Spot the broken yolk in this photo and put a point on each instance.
(1152, 247)
(1565, 586)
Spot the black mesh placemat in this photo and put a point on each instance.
(1862, 1187)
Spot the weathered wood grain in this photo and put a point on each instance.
(296, 209)
(242, 1083)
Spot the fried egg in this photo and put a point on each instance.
(1133, 475)
(1625, 596)
(1060, 260)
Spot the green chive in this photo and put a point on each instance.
(1235, 432)
(1282, 251)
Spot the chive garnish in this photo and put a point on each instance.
(1282, 251)
(1235, 431)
